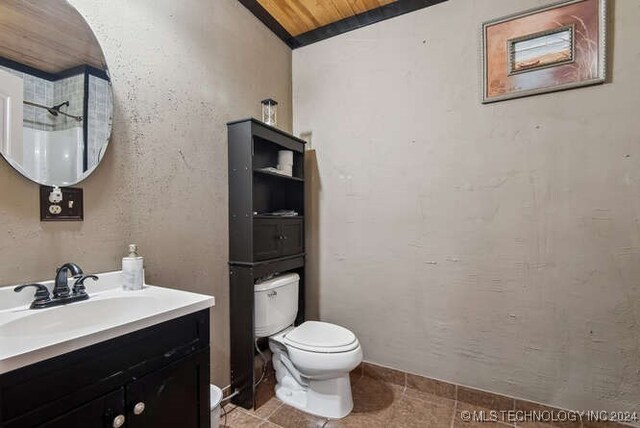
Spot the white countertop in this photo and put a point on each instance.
(28, 336)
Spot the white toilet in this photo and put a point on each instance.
(312, 361)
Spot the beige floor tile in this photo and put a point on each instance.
(288, 417)
(267, 409)
(357, 420)
(240, 419)
(378, 402)
(428, 397)
(373, 399)
(408, 413)
(267, 424)
(371, 394)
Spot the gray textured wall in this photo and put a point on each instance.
(496, 246)
(180, 71)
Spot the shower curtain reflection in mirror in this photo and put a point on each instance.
(53, 147)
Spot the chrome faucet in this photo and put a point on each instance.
(61, 293)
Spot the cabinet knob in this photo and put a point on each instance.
(138, 408)
(118, 421)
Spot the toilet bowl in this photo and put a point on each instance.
(312, 364)
(312, 361)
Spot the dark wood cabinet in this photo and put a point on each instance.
(255, 194)
(292, 236)
(266, 239)
(260, 243)
(155, 377)
(98, 413)
(172, 396)
(273, 238)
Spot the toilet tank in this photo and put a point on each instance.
(276, 304)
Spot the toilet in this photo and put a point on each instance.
(312, 361)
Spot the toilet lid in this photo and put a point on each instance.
(316, 336)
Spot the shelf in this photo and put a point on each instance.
(280, 217)
(270, 261)
(259, 126)
(275, 174)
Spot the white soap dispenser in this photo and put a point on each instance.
(133, 270)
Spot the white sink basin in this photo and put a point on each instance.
(31, 335)
(79, 316)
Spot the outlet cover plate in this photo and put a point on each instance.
(71, 208)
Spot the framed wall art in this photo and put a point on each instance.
(546, 49)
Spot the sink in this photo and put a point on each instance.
(79, 316)
(28, 336)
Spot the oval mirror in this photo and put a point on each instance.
(56, 102)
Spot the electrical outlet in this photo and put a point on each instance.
(55, 197)
(64, 204)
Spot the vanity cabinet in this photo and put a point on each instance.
(100, 412)
(156, 377)
(171, 396)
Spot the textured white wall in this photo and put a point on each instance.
(180, 70)
(496, 246)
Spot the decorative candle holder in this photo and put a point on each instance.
(270, 112)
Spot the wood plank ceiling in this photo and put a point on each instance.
(49, 35)
(300, 16)
(302, 22)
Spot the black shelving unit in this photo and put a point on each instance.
(275, 174)
(260, 244)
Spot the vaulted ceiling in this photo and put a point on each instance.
(302, 22)
(300, 16)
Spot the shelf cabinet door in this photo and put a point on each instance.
(278, 237)
(101, 412)
(175, 396)
(266, 239)
(292, 231)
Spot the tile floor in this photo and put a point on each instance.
(389, 398)
(380, 400)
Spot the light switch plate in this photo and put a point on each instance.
(71, 208)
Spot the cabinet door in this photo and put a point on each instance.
(293, 237)
(106, 412)
(266, 239)
(175, 396)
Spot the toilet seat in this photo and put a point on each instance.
(321, 337)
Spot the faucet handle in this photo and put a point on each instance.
(41, 296)
(78, 286)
